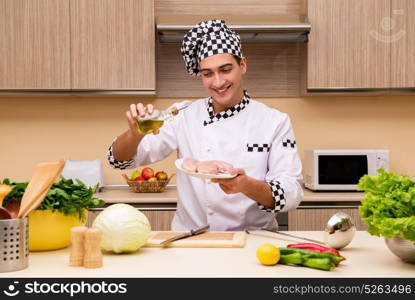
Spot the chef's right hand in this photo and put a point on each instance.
(138, 110)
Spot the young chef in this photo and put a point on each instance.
(229, 126)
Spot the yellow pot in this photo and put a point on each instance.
(51, 230)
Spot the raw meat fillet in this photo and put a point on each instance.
(207, 167)
(190, 164)
(214, 167)
(223, 167)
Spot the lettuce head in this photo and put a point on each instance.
(388, 206)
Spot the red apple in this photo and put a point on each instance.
(152, 179)
(161, 175)
(139, 178)
(147, 173)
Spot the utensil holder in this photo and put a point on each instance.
(14, 250)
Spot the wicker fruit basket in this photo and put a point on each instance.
(146, 186)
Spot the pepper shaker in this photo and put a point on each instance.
(93, 254)
(76, 257)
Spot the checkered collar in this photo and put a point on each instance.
(227, 113)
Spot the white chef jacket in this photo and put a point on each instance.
(250, 136)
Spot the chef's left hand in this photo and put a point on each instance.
(233, 185)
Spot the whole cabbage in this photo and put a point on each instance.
(124, 228)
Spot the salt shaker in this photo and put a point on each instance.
(93, 255)
(76, 257)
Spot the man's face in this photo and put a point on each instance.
(222, 79)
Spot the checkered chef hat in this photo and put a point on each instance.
(206, 39)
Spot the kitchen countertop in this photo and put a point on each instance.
(367, 256)
(123, 194)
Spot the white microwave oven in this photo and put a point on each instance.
(341, 169)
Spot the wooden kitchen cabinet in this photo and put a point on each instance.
(402, 35)
(314, 218)
(159, 218)
(77, 45)
(112, 45)
(344, 50)
(34, 44)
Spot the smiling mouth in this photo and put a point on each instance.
(222, 91)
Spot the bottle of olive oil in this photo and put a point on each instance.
(148, 126)
(154, 121)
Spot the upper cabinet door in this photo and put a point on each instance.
(402, 32)
(113, 45)
(34, 44)
(346, 49)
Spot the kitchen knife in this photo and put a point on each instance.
(186, 234)
(291, 235)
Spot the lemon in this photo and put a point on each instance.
(4, 191)
(268, 254)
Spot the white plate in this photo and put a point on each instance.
(179, 162)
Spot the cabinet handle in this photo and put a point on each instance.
(157, 208)
(327, 206)
(140, 208)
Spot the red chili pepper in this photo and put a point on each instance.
(314, 247)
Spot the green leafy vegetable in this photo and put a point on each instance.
(388, 206)
(124, 228)
(66, 196)
(17, 192)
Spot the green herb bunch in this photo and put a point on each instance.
(66, 196)
(388, 206)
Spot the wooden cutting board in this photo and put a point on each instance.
(210, 239)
